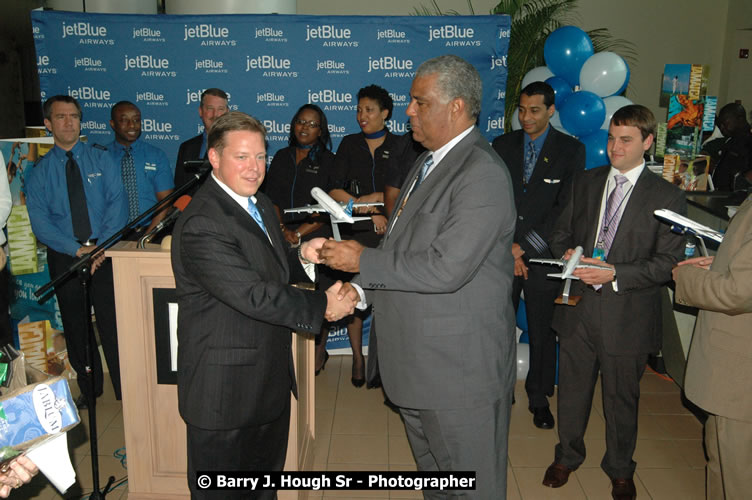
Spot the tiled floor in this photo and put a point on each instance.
(355, 431)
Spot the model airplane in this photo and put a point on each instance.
(338, 212)
(568, 266)
(682, 225)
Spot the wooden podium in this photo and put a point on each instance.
(154, 431)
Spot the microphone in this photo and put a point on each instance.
(172, 215)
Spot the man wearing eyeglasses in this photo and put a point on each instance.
(213, 105)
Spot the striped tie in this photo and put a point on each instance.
(611, 215)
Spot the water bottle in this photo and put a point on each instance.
(689, 250)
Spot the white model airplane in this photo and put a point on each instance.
(682, 225)
(339, 212)
(568, 268)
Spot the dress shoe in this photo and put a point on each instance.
(542, 417)
(323, 365)
(358, 382)
(82, 403)
(623, 489)
(556, 475)
(358, 374)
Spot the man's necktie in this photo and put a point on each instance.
(611, 215)
(422, 174)
(77, 200)
(530, 158)
(254, 211)
(128, 171)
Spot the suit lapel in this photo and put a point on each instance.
(542, 163)
(593, 209)
(411, 176)
(452, 161)
(637, 200)
(245, 220)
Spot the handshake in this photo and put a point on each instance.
(341, 298)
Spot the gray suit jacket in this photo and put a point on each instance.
(720, 357)
(441, 281)
(643, 251)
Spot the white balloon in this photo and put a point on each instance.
(555, 122)
(613, 104)
(523, 360)
(539, 74)
(516, 125)
(603, 74)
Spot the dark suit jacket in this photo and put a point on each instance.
(189, 150)
(236, 311)
(441, 283)
(542, 200)
(643, 251)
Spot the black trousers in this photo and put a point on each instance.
(540, 293)
(72, 312)
(255, 448)
(582, 356)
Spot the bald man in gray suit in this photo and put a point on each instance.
(441, 283)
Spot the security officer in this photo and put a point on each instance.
(146, 174)
(75, 197)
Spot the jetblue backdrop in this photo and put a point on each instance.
(269, 64)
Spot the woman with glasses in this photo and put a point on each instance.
(306, 163)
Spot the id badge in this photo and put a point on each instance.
(599, 252)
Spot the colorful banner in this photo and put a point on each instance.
(269, 64)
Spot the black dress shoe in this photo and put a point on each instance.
(323, 365)
(81, 402)
(542, 417)
(623, 489)
(358, 382)
(556, 475)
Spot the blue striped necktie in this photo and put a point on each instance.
(128, 171)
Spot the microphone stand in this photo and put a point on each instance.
(82, 268)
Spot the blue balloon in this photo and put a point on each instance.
(582, 113)
(565, 51)
(595, 149)
(562, 89)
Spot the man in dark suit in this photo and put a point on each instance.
(236, 309)
(542, 162)
(617, 322)
(441, 284)
(213, 105)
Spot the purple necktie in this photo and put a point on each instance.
(611, 215)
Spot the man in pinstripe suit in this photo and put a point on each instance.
(236, 309)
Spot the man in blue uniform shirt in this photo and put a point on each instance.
(75, 197)
(146, 174)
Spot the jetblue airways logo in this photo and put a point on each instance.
(392, 36)
(399, 99)
(396, 127)
(94, 127)
(329, 96)
(394, 66)
(151, 98)
(455, 36)
(210, 66)
(89, 93)
(332, 67)
(88, 34)
(498, 62)
(272, 99)
(270, 34)
(43, 66)
(495, 124)
(159, 131)
(148, 34)
(149, 65)
(89, 64)
(192, 96)
(210, 35)
(271, 66)
(331, 35)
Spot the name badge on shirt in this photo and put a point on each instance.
(599, 252)
(150, 166)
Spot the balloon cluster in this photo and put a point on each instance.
(586, 86)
